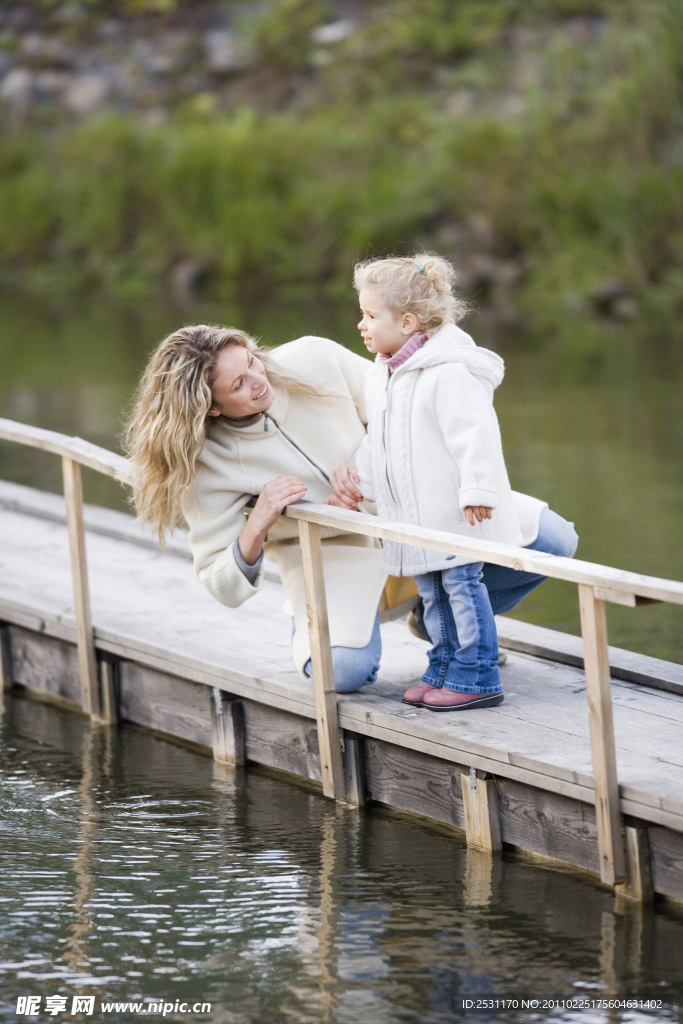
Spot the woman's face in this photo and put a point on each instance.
(240, 387)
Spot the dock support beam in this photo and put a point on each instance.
(638, 882)
(598, 691)
(87, 660)
(354, 773)
(5, 659)
(227, 716)
(482, 813)
(109, 680)
(329, 736)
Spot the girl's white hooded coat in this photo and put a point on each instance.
(433, 447)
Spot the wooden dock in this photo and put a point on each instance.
(171, 659)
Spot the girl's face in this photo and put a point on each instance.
(383, 331)
(240, 387)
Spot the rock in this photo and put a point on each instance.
(44, 52)
(21, 19)
(486, 270)
(49, 85)
(321, 58)
(86, 93)
(172, 53)
(484, 234)
(225, 53)
(186, 277)
(613, 298)
(326, 35)
(512, 106)
(625, 309)
(16, 89)
(70, 14)
(461, 103)
(607, 293)
(111, 30)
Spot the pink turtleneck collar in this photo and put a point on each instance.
(414, 342)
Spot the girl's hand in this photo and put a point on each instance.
(344, 483)
(478, 513)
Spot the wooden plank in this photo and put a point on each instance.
(45, 665)
(109, 681)
(568, 650)
(283, 741)
(107, 522)
(638, 882)
(354, 772)
(479, 871)
(482, 816)
(549, 824)
(607, 810)
(73, 492)
(615, 596)
(228, 729)
(412, 781)
(510, 743)
(5, 659)
(386, 721)
(72, 448)
(570, 569)
(165, 703)
(172, 625)
(666, 861)
(615, 581)
(332, 767)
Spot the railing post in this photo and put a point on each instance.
(598, 691)
(329, 737)
(87, 661)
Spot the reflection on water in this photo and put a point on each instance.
(596, 431)
(137, 870)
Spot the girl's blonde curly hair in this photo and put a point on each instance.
(421, 284)
(167, 426)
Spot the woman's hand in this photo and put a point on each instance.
(478, 512)
(275, 496)
(344, 481)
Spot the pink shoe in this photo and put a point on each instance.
(416, 694)
(452, 700)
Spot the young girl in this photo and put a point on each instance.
(433, 457)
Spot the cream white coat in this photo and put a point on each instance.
(308, 439)
(433, 447)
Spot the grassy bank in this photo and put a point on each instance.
(539, 143)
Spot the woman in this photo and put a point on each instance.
(217, 423)
(225, 435)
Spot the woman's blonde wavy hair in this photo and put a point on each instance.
(422, 284)
(167, 426)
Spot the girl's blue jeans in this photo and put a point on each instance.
(504, 589)
(459, 620)
(459, 605)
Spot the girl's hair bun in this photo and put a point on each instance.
(422, 284)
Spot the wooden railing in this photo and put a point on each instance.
(597, 585)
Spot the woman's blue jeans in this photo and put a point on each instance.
(459, 605)
(355, 666)
(358, 666)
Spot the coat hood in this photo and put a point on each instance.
(450, 344)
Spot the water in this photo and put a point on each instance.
(595, 428)
(137, 870)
